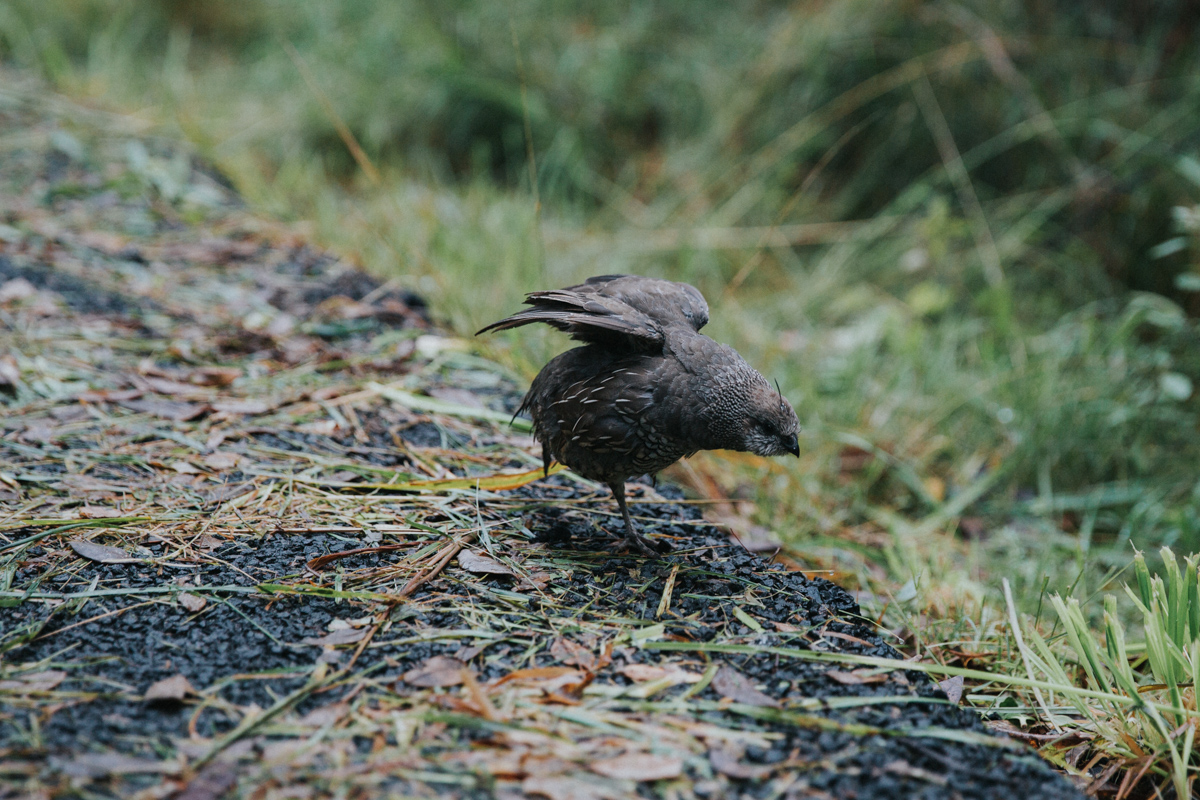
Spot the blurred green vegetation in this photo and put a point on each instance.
(963, 235)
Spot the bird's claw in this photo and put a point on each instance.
(635, 541)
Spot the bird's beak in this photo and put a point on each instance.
(792, 445)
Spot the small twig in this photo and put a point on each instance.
(479, 698)
(321, 561)
(450, 552)
(366, 640)
(665, 603)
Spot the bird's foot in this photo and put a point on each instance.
(635, 541)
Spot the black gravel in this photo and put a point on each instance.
(80, 295)
(240, 634)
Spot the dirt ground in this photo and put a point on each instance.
(265, 532)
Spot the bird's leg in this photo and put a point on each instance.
(632, 537)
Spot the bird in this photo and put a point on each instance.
(645, 388)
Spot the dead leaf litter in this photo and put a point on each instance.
(260, 534)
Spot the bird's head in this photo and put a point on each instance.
(770, 426)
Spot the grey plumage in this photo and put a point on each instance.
(646, 388)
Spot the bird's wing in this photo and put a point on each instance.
(666, 302)
(589, 317)
(627, 312)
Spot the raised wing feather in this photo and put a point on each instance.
(627, 312)
(637, 333)
(666, 302)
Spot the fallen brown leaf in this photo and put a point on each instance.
(34, 682)
(320, 717)
(638, 767)
(10, 374)
(235, 406)
(953, 687)
(101, 553)
(175, 687)
(214, 376)
(209, 251)
(325, 393)
(86, 483)
(480, 563)
(211, 782)
(460, 397)
(192, 602)
(569, 652)
(562, 788)
(38, 432)
(228, 492)
(321, 427)
(535, 581)
(534, 674)
(755, 538)
(467, 653)
(168, 386)
(73, 413)
(221, 461)
(99, 512)
(345, 636)
(166, 409)
(16, 289)
(856, 677)
(342, 307)
(728, 761)
(728, 682)
(648, 672)
(544, 765)
(436, 671)
(108, 395)
(567, 691)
